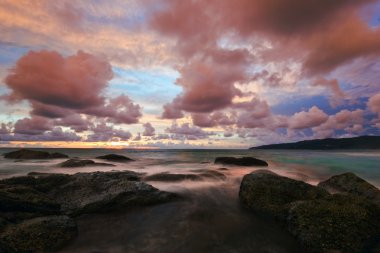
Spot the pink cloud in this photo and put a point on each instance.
(337, 94)
(307, 119)
(103, 132)
(75, 122)
(32, 126)
(148, 129)
(187, 131)
(320, 35)
(214, 119)
(374, 103)
(74, 82)
(208, 81)
(58, 86)
(171, 112)
(120, 109)
(349, 121)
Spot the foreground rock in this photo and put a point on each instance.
(72, 163)
(115, 158)
(244, 161)
(43, 234)
(320, 221)
(34, 209)
(202, 175)
(100, 192)
(349, 183)
(18, 202)
(338, 223)
(270, 194)
(33, 154)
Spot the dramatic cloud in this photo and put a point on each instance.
(208, 81)
(374, 103)
(248, 70)
(58, 87)
(214, 119)
(337, 94)
(323, 34)
(188, 132)
(148, 130)
(104, 132)
(47, 77)
(118, 110)
(307, 119)
(75, 122)
(32, 126)
(349, 121)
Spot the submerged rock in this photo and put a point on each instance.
(33, 154)
(244, 161)
(43, 234)
(270, 194)
(337, 223)
(210, 174)
(202, 175)
(350, 183)
(115, 158)
(167, 177)
(71, 163)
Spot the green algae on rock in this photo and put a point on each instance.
(42, 234)
(270, 194)
(337, 223)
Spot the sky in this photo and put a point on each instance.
(187, 73)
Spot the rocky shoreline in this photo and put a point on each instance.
(38, 212)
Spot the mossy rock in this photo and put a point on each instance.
(33, 154)
(43, 234)
(243, 161)
(115, 158)
(352, 184)
(270, 194)
(337, 223)
(18, 200)
(40, 182)
(73, 163)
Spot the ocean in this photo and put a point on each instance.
(212, 220)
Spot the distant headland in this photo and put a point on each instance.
(361, 142)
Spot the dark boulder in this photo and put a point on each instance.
(43, 194)
(350, 183)
(200, 176)
(337, 223)
(18, 202)
(210, 174)
(270, 194)
(43, 234)
(115, 158)
(33, 154)
(72, 163)
(106, 191)
(243, 161)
